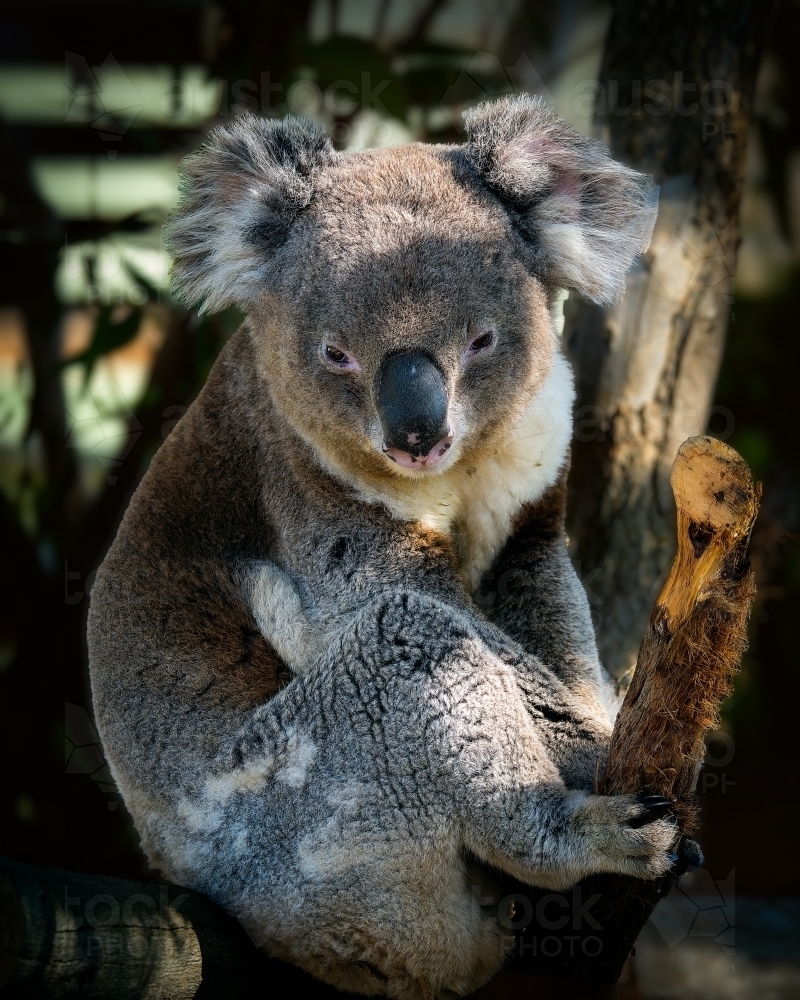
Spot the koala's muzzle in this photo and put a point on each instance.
(412, 404)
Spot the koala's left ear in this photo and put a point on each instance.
(240, 194)
(587, 217)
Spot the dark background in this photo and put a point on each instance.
(70, 457)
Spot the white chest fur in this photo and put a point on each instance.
(476, 505)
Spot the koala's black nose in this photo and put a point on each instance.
(412, 405)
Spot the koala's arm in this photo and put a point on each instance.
(538, 600)
(277, 607)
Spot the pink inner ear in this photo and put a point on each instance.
(567, 185)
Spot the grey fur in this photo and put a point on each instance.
(307, 711)
(589, 216)
(240, 194)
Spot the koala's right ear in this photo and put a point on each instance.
(240, 193)
(586, 218)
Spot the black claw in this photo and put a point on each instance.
(689, 855)
(654, 808)
(654, 801)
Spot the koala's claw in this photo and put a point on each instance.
(690, 855)
(653, 801)
(655, 806)
(685, 856)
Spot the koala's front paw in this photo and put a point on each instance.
(632, 834)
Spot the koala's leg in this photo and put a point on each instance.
(334, 824)
(328, 827)
(537, 599)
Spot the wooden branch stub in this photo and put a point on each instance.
(717, 503)
(696, 634)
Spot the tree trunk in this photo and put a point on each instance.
(88, 936)
(675, 100)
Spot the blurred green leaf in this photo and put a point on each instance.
(107, 336)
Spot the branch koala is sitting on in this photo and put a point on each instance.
(308, 715)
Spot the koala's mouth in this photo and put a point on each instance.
(407, 460)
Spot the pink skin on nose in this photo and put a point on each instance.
(409, 461)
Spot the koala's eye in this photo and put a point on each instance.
(482, 343)
(335, 355)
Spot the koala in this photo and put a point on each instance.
(313, 711)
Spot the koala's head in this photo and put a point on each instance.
(400, 299)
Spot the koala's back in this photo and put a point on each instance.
(175, 654)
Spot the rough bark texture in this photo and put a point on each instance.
(646, 368)
(66, 935)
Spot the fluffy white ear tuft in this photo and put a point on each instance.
(240, 193)
(587, 216)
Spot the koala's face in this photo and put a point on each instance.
(399, 298)
(405, 330)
